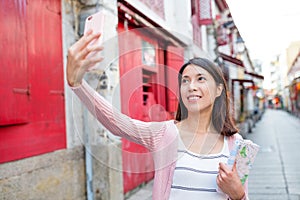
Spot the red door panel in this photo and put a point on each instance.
(45, 59)
(41, 38)
(14, 86)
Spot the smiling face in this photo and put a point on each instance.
(203, 90)
(198, 89)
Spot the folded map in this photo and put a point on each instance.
(246, 153)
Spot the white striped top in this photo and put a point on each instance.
(195, 175)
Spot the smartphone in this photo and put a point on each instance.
(95, 22)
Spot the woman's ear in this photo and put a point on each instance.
(220, 88)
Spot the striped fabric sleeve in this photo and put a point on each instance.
(147, 134)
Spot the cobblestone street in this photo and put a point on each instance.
(275, 174)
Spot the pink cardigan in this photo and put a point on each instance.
(160, 138)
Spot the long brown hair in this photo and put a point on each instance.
(221, 118)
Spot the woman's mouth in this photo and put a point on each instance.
(194, 97)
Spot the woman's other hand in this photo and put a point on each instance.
(229, 182)
(78, 61)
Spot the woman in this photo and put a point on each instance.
(189, 153)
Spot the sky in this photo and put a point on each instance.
(267, 26)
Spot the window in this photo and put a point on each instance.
(148, 54)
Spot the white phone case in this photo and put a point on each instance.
(95, 22)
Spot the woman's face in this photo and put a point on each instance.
(198, 89)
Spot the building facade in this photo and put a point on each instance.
(292, 86)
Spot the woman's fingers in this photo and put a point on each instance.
(83, 58)
(77, 46)
(92, 62)
(225, 174)
(229, 181)
(234, 167)
(224, 168)
(83, 46)
(90, 51)
(85, 40)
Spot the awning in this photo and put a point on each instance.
(231, 59)
(294, 69)
(139, 19)
(243, 81)
(296, 59)
(295, 66)
(222, 5)
(255, 75)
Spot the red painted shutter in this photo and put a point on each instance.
(14, 86)
(34, 55)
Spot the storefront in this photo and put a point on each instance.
(295, 96)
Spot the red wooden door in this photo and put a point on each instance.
(32, 119)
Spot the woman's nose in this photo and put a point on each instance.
(192, 86)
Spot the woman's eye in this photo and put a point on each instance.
(184, 81)
(201, 78)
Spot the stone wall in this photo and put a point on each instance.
(56, 175)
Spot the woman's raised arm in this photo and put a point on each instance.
(147, 134)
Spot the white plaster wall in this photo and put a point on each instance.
(72, 25)
(177, 17)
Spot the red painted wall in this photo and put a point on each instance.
(32, 119)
